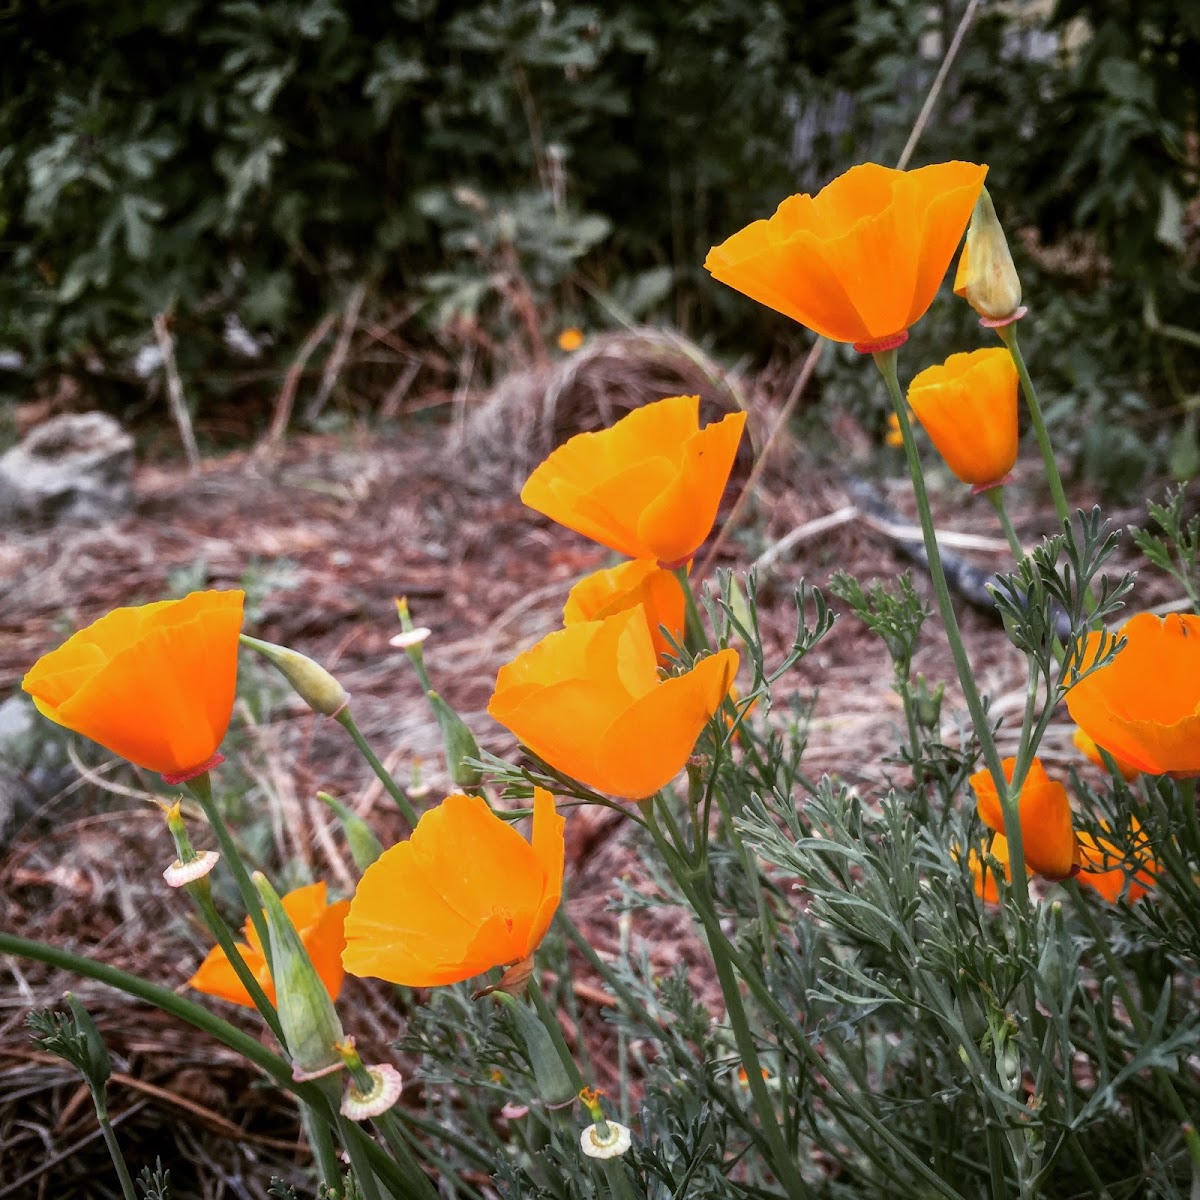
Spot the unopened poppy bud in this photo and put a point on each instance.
(310, 681)
(1052, 963)
(928, 704)
(987, 278)
(311, 1028)
(554, 1085)
(365, 847)
(459, 744)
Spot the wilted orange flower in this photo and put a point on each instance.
(570, 339)
(1047, 836)
(968, 406)
(588, 699)
(648, 487)
(465, 893)
(862, 260)
(1144, 706)
(154, 684)
(639, 582)
(1103, 865)
(319, 925)
(1091, 752)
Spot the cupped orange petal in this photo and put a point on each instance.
(1144, 706)
(589, 701)
(1104, 868)
(1091, 752)
(463, 894)
(862, 260)
(968, 406)
(153, 684)
(320, 926)
(983, 872)
(1047, 833)
(647, 487)
(639, 582)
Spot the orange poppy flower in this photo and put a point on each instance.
(862, 260)
(570, 339)
(1047, 836)
(589, 700)
(154, 684)
(319, 925)
(640, 582)
(1103, 866)
(983, 873)
(1091, 752)
(465, 893)
(1144, 706)
(968, 406)
(648, 487)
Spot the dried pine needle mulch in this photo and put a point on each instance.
(325, 535)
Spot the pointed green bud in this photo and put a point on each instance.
(459, 743)
(928, 704)
(96, 1065)
(987, 277)
(365, 847)
(310, 681)
(553, 1083)
(311, 1028)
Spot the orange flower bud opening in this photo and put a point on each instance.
(589, 700)
(1144, 706)
(319, 925)
(154, 684)
(861, 261)
(1047, 834)
(968, 406)
(648, 487)
(465, 893)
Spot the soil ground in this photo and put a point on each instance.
(325, 534)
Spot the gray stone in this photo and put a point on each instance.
(75, 469)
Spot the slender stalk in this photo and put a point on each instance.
(1187, 1123)
(694, 637)
(201, 788)
(324, 1151)
(886, 362)
(550, 1020)
(1008, 335)
(354, 1140)
(995, 498)
(783, 1158)
(114, 1150)
(384, 776)
(217, 926)
(618, 1180)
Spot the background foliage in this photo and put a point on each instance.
(493, 169)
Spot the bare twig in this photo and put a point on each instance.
(337, 360)
(175, 398)
(389, 406)
(286, 399)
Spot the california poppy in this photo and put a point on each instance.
(465, 893)
(986, 277)
(1047, 835)
(1091, 752)
(154, 684)
(319, 925)
(983, 870)
(648, 486)
(639, 582)
(968, 406)
(1144, 706)
(862, 260)
(589, 700)
(1104, 868)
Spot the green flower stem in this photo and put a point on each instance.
(201, 788)
(995, 498)
(783, 1159)
(114, 1149)
(201, 893)
(394, 790)
(550, 1020)
(694, 637)
(1008, 335)
(1187, 1123)
(323, 1148)
(618, 1180)
(886, 362)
